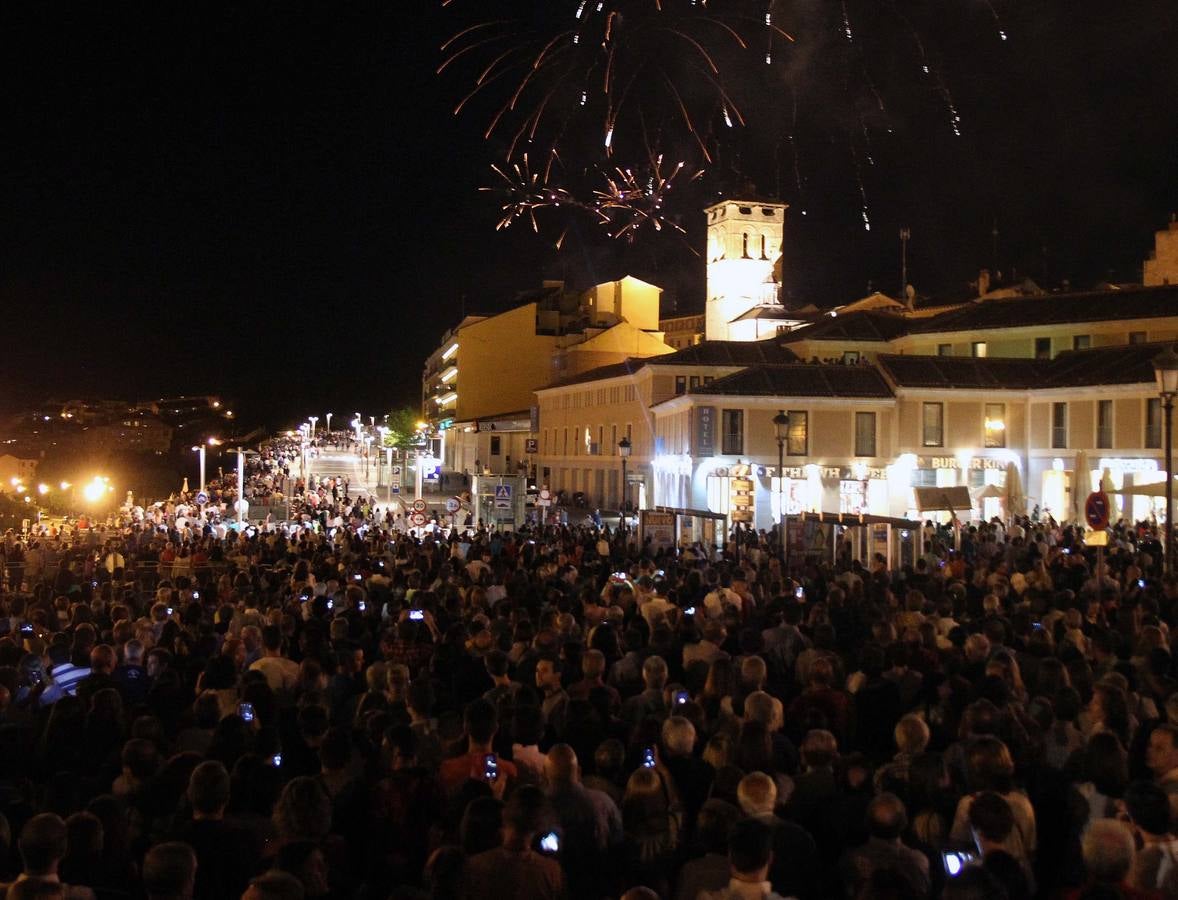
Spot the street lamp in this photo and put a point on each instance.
(329, 424)
(312, 420)
(1165, 367)
(781, 430)
(624, 452)
(240, 487)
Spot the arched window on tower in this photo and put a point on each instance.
(764, 247)
(745, 252)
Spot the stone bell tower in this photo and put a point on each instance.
(744, 252)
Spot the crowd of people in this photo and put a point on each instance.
(354, 712)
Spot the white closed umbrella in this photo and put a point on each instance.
(1106, 482)
(1081, 484)
(1016, 503)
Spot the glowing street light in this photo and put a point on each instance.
(42, 489)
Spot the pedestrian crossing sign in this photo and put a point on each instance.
(503, 496)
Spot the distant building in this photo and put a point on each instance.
(478, 385)
(1162, 266)
(682, 331)
(24, 470)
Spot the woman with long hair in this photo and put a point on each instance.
(652, 823)
(989, 767)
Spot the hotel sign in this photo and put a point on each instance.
(705, 430)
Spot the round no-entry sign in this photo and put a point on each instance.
(1096, 510)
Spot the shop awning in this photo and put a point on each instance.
(948, 499)
(698, 513)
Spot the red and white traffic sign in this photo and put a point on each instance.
(419, 505)
(418, 519)
(1096, 510)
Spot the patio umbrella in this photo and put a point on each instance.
(1016, 503)
(1081, 485)
(990, 490)
(1156, 489)
(1106, 482)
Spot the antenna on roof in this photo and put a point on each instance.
(905, 236)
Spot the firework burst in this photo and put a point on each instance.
(602, 90)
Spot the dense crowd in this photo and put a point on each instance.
(350, 712)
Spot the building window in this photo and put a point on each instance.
(745, 247)
(1104, 424)
(1081, 342)
(680, 384)
(494, 445)
(995, 425)
(733, 432)
(1059, 426)
(933, 424)
(1153, 423)
(977, 348)
(694, 383)
(1136, 337)
(865, 434)
(797, 440)
(1043, 348)
(944, 349)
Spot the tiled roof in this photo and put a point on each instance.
(627, 367)
(964, 371)
(864, 325)
(801, 380)
(1055, 309)
(773, 312)
(1123, 364)
(727, 353)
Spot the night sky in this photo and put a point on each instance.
(273, 201)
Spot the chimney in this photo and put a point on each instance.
(983, 282)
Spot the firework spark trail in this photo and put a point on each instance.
(862, 187)
(997, 20)
(939, 85)
(793, 142)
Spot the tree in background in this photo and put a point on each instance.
(403, 431)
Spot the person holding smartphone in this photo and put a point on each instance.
(481, 725)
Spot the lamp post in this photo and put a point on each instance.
(312, 420)
(781, 431)
(624, 452)
(329, 424)
(200, 455)
(240, 487)
(1165, 367)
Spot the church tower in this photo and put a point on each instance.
(744, 252)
